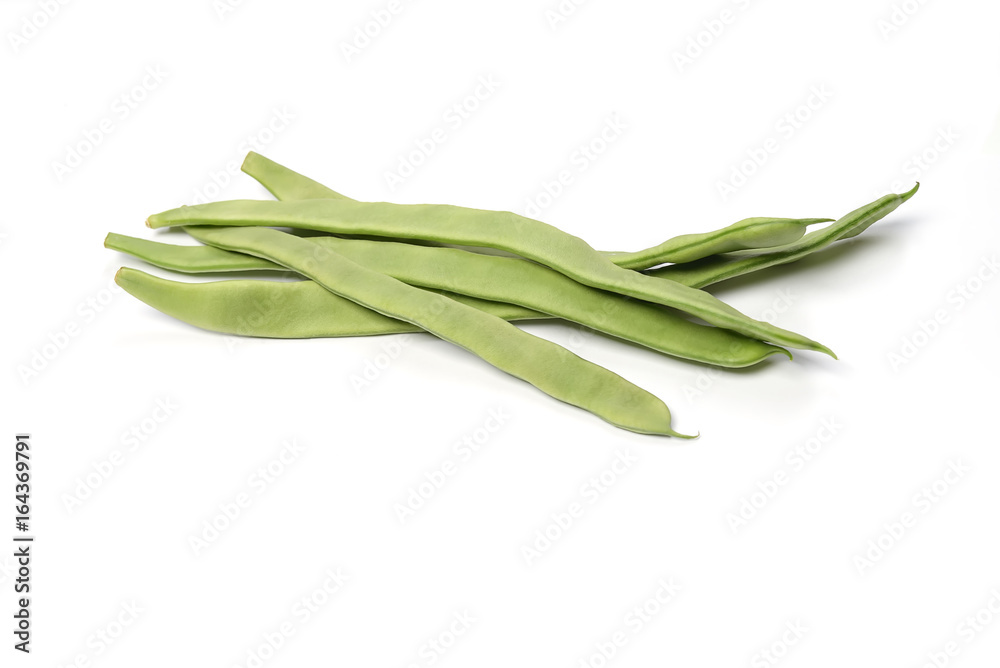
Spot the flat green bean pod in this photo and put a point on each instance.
(499, 279)
(716, 269)
(279, 309)
(187, 259)
(284, 183)
(751, 233)
(547, 366)
(505, 231)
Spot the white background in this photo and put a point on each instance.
(890, 94)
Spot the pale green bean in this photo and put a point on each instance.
(751, 233)
(497, 279)
(279, 309)
(716, 269)
(551, 368)
(505, 231)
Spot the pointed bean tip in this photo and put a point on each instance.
(823, 349)
(686, 437)
(911, 192)
(772, 351)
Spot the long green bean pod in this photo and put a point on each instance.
(751, 233)
(505, 231)
(720, 268)
(498, 279)
(279, 309)
(547, 366)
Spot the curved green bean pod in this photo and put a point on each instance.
(186, 259)
(547, 366)
(506, 231)
(499, 279)
(751, 233)
(715, 269)
(279, 309)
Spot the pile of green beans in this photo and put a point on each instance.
(382, 268)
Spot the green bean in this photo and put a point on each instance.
(716, 269)
(279, 309)
(504, 280)
(545, 365)
(505, 231)
(284, 183)
(187, 259)
(751, 233)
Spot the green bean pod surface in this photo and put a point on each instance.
(505, 280)
(720, 268)
(279, 309)
(187, 259)
(547, 366)
(751, 233)
(505, 231)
